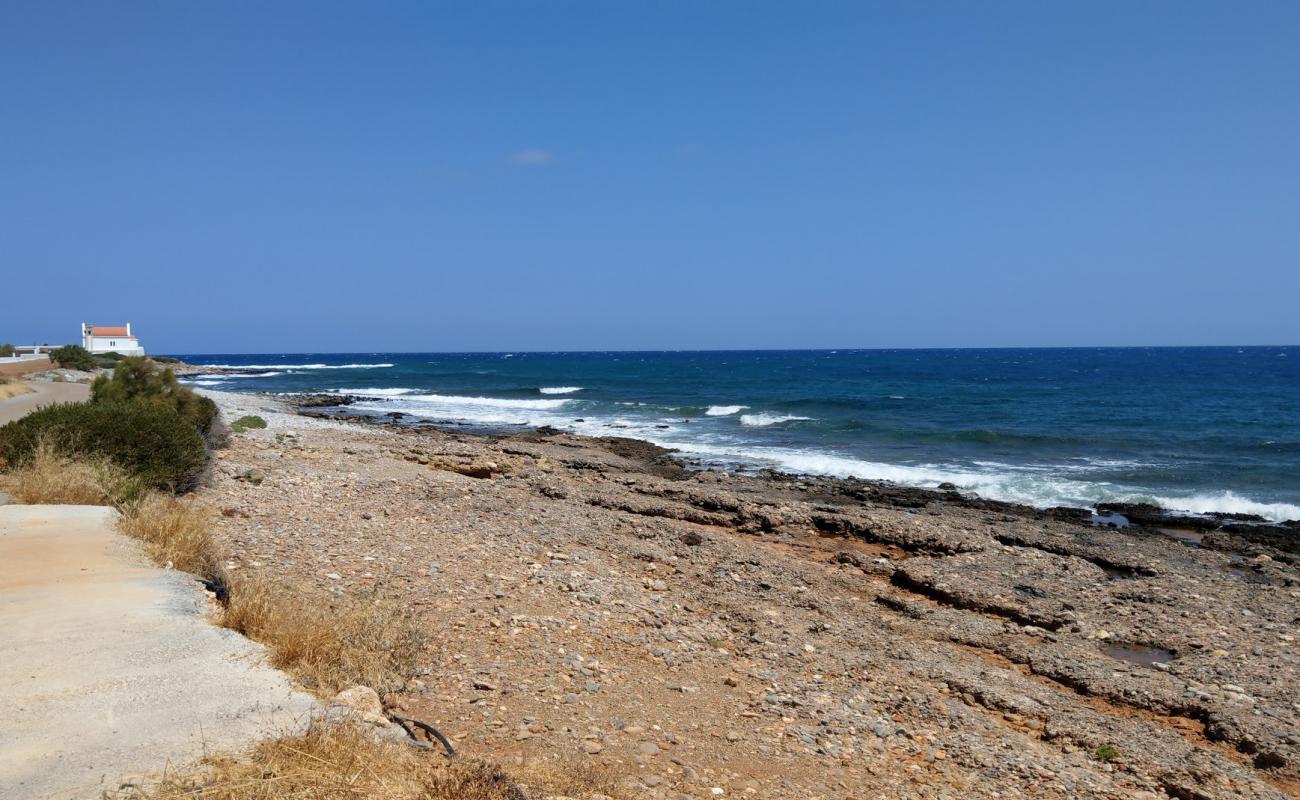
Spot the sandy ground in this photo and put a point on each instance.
(111, 668)
(9, 369)
(43, 394)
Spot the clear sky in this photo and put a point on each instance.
(325, 176)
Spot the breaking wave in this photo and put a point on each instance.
(482, 410)
(724, 411)
(378, 392)
(763, 420)
(994, 481)
(560, 389)
(1230, 503)
(295, 366)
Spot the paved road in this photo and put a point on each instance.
(109, 667)
(44, 393)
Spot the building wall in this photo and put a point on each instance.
(109, 344)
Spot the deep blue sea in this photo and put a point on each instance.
(1195, 429)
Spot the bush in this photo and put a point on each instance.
(138, 378)
(73, 356)
(165, 359)
(6, 350)
(152, 442)
(247, 423)
(1106, 753)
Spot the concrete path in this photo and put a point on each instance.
(110, 668)
(43, 393)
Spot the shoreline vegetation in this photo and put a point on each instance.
(601, 621)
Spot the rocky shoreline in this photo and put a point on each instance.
(1284, 535)
(783, 636)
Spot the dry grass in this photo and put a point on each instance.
(326, 645)
(342, 763)
(176, 531)
(331, 645)
(10, 388)
(54, 478)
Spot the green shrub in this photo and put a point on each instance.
(6, 350)
(1105, 753)
(138, 378)
(151, 441)
(247, 423)
(73, 356)
(112, 355)
(165, 359)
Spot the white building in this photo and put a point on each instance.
(110, 339)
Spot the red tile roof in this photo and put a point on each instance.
(108, 330)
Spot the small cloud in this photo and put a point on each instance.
(532, 158)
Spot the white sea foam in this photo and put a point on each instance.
(724, 411)
(377, 392)
(295, 366)
(481, 410)
(212, 380)
(1039, 487)
(1230, 503)
(486, 402)
(560, 389)
(763, 420)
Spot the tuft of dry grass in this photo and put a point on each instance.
(340, 762)
(54, 478)
(10, 388)
(176, 531)
(327, 645)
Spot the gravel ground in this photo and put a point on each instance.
(708, 634)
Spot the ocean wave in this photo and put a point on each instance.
(560, 389)
(486, 402)
(476, 410)
(992, 437)
(372, 392)
(1006, 483)
(763, 420)
(294, 366)
(203, 382)
(723, 411)
(1230, 503)
(218, 378)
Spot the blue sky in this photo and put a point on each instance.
(323, 176)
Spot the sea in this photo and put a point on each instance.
(1204, 429)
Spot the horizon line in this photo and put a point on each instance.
(730, 350)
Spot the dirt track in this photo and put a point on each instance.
(43, 393)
